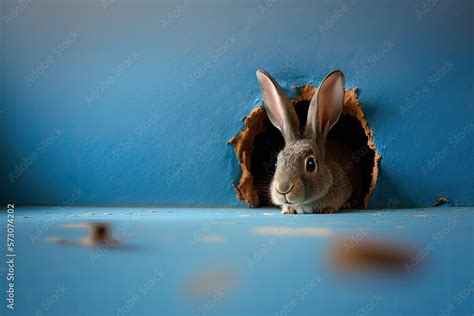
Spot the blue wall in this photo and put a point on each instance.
(117, 102)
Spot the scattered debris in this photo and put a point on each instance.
(212, 239)
(99, 234)
(206, 284)
(440, 201)
(292, 231)
(336, 222)
(420, 215)
(371, 255)
(60, 240)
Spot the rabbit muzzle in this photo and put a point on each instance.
(289, 193)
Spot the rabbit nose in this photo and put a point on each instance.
(284, 188)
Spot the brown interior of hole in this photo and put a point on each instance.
(259, 142)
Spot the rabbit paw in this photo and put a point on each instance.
(288, 210)
(350, 204)
(328, 211)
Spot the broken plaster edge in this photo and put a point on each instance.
(243, 142)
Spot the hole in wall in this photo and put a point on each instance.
(259, 142)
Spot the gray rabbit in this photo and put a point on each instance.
(310, 175)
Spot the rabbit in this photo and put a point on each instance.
(310, 175)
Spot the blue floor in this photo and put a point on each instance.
(237, 262)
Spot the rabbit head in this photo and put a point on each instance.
(302, 173)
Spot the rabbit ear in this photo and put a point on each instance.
(279, 108)
(325, 107)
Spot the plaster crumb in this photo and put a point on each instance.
(212, 281)
(60, 240)
(212, 239)
(440, 201)
(99, 234)
(268, 213)
(87, 214)
(373, 255)
(76, 225)
(292, 231)
(420, 215)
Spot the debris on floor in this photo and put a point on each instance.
(292, 231)
(99, 234)
(440, 201)
(213, 280)
(372, 255)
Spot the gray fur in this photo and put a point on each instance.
(294, 188)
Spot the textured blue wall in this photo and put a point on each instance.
(115, 102)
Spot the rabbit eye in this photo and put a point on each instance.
(310, 164)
